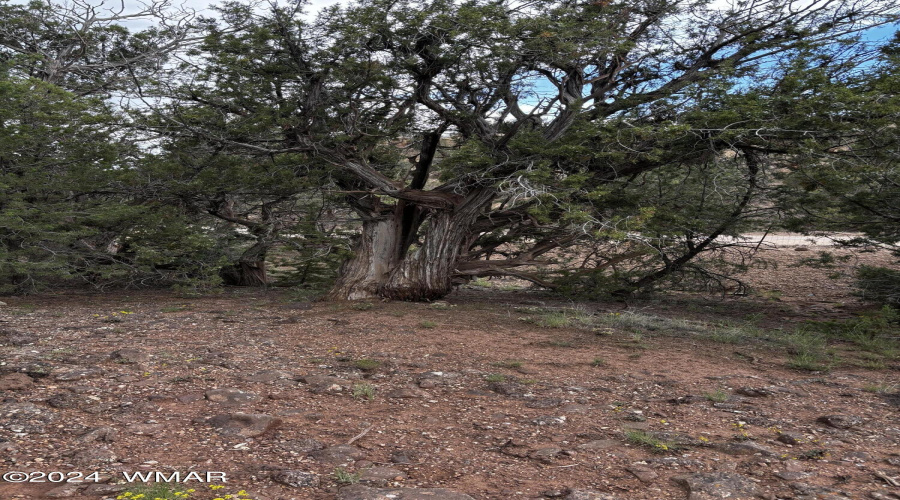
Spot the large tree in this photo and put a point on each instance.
(479, 138)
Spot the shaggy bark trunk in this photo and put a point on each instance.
(385, 266)
(250, 269)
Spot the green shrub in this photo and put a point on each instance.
(879, 284)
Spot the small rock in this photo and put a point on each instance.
(78, 374)
(549, 420)
(303, 446)
(790, 438)
(792, 475)
(231, 396)
(599, 445)
(361, 492)
(883, 495)
(546, 454)
(754, 392)
(102, 434)
(190, 398)
(145, 429)
(544, 403)
(744, 448)
(588, 495)
(339, 454)
(296, 478)
(129, 356)
(38, 370)
(857, 456)
(266, 376)
(64, 400)
(689, 399)
(554, 493)
(408, 393)
(807, 491)
(574, 408)
(94, 456)
(402, 457)
(16, 338)
(840, 421)
(15, 382)
(507, 388)
(25, 418)
(381, 476)
(63, 491)
(717, 485)
(321, 384)
(244, 424)
(104, 489)
(644, 474)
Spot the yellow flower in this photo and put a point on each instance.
(242, 493)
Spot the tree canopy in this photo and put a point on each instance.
(577, 145)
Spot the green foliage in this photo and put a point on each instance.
(879, 284)
(367, 364)
(647, 440)
(717, 396)
(364, 391)
(343, 476)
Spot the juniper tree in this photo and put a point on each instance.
(479, 138)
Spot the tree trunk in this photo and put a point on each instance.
(384, 266)
(250, 269)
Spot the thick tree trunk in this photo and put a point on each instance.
(250, 269)
(384, 266)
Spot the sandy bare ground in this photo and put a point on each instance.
(479, 395)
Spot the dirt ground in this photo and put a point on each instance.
(479, 394)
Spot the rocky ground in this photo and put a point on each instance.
(483, 396)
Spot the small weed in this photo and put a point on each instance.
(362, 306)
(645, 439)
(367, 364)
(364, 391)
(495, 377)
(554, 320)
(870, 364)
(598, 362)
(427, 324)
(169, 491)
(808, 361)
(510, 363)
(343, 476)
(717, 396)
(882, 388)
(528, 381)
(153, 491)
(816, 454)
